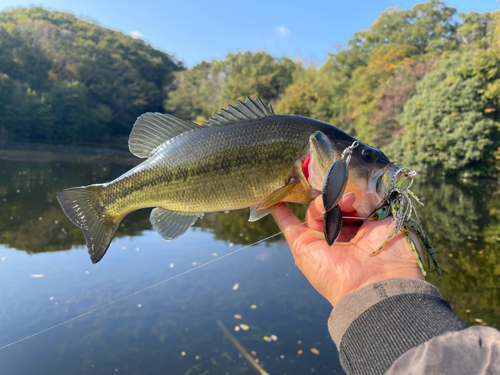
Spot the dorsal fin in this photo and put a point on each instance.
(243, 111)
(152, 129)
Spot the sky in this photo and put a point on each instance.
(197, 30)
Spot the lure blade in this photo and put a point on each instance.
(334, 184)
(332, 224)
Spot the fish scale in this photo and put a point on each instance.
(222, 165)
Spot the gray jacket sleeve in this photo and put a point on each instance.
(404, 326)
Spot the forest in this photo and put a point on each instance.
(422, 84)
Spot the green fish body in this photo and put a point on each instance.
(246, 156)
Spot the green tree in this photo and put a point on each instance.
(445, 125)
(209, 86)
(68, 80)
(255, 74)
(197, 92)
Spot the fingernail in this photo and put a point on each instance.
(346, 195)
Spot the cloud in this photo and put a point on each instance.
(282, 31)
(135, 34)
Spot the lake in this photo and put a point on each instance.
(133, 314)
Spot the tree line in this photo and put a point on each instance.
(422, 84)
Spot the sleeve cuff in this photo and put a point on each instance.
(353, 305)
(375, 325)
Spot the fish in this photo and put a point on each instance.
(243, 156)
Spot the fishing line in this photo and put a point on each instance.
(149, 287)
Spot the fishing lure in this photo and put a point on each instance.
(398, 202)
(334, 186)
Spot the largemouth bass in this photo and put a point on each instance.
(244, 156)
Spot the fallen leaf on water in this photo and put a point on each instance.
(237, 316)
(236, 286)
(183, 353)
(254, 353)
(51, 298)
(237, 328)
(253, 306)
(214, 254)
(244, 327)
(274, 337)
(197, 357)
(37, 275)
(467, 311)
(268, 339)
(315, 351)
(299, 342)
(300, 352)
(171, 265)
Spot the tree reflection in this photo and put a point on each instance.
(462, 218)
(30, 217)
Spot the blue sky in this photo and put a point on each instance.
(196, 30)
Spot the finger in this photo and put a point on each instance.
(289, 224)
(347, 201)
(314, 214)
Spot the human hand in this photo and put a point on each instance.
(341, 269)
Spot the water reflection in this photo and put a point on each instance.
(461, 218)
(30, 217)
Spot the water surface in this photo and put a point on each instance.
(172, 327)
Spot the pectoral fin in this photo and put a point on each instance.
(171, 225)
(272, 201)
(277, 196)
(256, 215)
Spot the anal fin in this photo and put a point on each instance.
(170, 224)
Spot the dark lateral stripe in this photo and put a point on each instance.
(281, 155)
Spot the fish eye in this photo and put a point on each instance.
(369, 155)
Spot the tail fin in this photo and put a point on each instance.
(81, 205)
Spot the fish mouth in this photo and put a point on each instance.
(375, 192)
